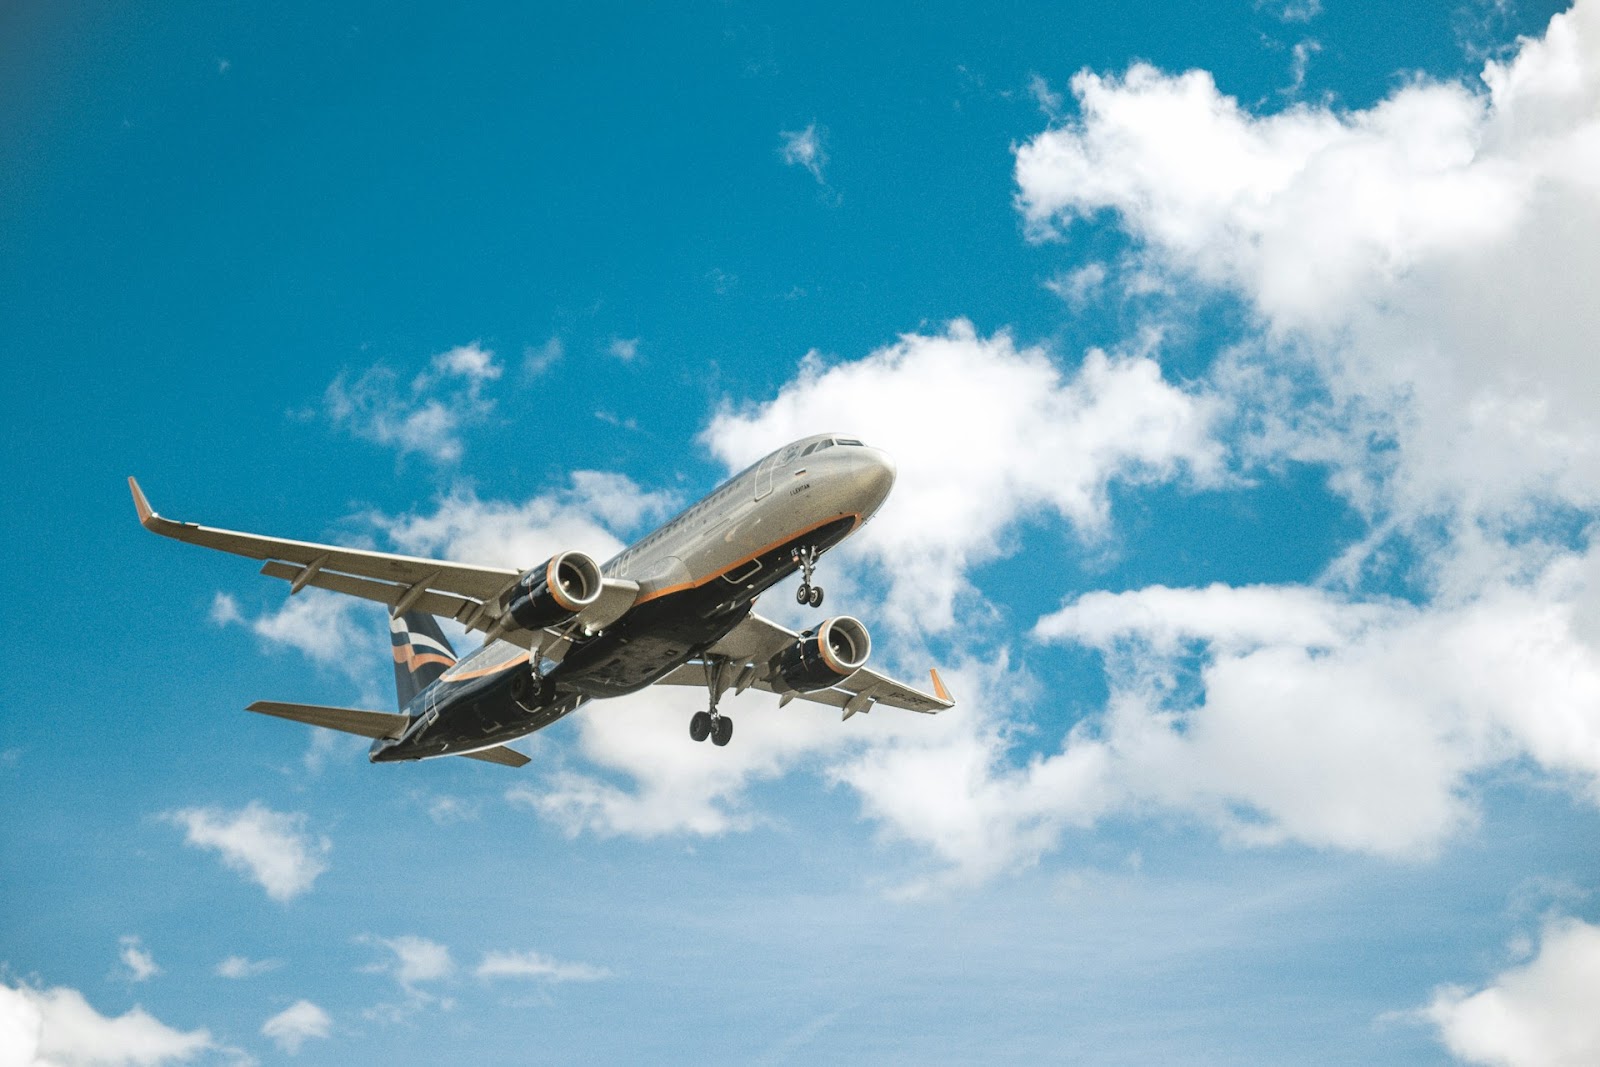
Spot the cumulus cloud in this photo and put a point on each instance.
(239, 967)
(295, 1025)
(270, 848)
(425, 415)
(1429, 260)
(805, 148)
(986, 433)
(58, 1026)
(536, 966)
(1404, 260)
(1539, 1014)
(140, 963)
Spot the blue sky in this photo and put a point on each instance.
(1238, 362)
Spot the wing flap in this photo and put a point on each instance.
(349, 720)
(501, 754)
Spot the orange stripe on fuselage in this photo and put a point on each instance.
(484, 672)
(741, 561)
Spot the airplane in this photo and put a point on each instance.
(675, 608)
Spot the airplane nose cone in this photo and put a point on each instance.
(877, 475)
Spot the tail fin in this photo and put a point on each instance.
(421, 653)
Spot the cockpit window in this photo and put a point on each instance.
(847, 441)
(811, 448)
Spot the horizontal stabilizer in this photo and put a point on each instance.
(499, 754)
(350, 720)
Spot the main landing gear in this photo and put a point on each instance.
(712, 723)
(806, 558)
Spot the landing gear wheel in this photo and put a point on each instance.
(814, 597)
(700, 726)
(803, 594)
(526, 690)
(723, 732)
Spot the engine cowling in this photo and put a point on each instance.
(555, 592)
(826, 656)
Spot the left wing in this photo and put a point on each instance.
(750, 647)
(473, 595)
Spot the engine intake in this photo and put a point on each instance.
(824, 657)
(565, 585)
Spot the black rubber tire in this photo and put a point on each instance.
(526, 689)
(700, 725)
(815, 599)
(803, 594)
(724, 732)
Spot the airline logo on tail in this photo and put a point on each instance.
(421, 653)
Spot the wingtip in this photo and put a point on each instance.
(140, 504)
(938, 688)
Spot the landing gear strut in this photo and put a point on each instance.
(527, 689)
(806, 558)
(712, 723)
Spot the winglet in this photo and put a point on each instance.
(939, 690)
(147, 514)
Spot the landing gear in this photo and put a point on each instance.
(711, 722)
(806, 559)
(527, 689)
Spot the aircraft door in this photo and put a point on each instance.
(764, 474)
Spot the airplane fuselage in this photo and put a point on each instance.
(698, 577)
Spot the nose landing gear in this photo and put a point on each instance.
(711, 722)
(810, 594)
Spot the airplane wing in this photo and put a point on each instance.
(472, 595)
(751, 646)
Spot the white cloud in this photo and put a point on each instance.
(58, 1027)
(623, 348)
(537, 966)
(536, 360)
(984, 433)
(1540, 1014)
(297, 1024)
(1407, 256)
(426, 415)
(493, 532)
(225, 610)
(1079, 287)
(270, 848)
(806, 148)
(141, 965)
(1292, 10)
(415, 960)
(1429, 259)
(240, 967)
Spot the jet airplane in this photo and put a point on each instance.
(675, 608)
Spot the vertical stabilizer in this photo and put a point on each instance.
(421, 653)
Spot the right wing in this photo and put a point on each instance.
(750, 647)
(472, 595)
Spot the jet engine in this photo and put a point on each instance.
(825, 656)
(555, 592)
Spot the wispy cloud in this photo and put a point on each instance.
(806, 148)
(623, 348)
(536, 966)
(140, 963)
(241, 967)
(300, 1022)
(424, 416)
(268, 847)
